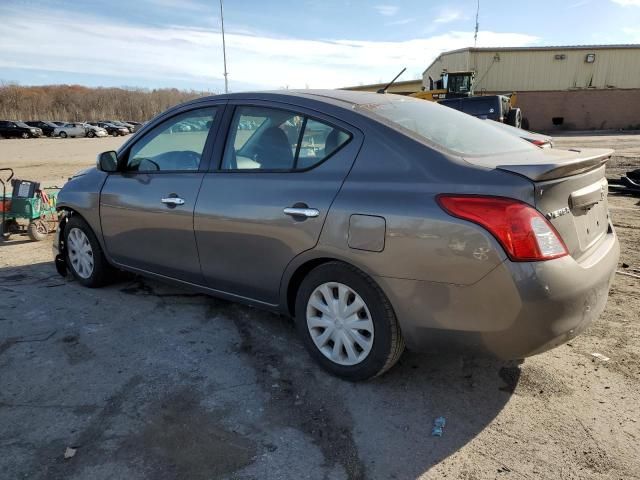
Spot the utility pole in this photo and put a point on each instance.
(224, 51)
(475, 35)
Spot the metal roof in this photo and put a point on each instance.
(544, 47)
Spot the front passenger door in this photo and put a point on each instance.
(146, 209)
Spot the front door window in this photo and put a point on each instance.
(175, 145)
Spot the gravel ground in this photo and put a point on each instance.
(142, 380)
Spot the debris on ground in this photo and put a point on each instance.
(438, 427)
(70, 452)
(602, 357)
(627, 184)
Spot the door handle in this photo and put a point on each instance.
(173, 201)
(302, 212)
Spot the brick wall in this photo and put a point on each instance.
(581, 109)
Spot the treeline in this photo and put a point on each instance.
(77, 103)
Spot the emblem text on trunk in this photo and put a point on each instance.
(557, 213)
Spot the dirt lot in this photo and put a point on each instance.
(146, 381)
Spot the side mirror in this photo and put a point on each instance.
(107, 162)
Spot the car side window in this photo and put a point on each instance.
(262, 138)
(318, 142)
(176, 144)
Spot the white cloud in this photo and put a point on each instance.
(447, 16)
(112, 49)
(627, 3)
(387, 10)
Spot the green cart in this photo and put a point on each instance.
(28, 209)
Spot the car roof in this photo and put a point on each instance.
(343, 98)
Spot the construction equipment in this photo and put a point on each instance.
(29, 209)
(456, 90)
(450, 85)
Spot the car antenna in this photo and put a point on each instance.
(384, 90)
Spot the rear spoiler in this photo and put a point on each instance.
(561, 163)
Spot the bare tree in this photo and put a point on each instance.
(78, 103)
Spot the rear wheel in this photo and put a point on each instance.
(514, 118)
(37, 230)
(347, 323)
(10, 227)
(4, 235)
(84, 255)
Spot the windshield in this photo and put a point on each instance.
(446, 127)
(22, 124)
(459, 83)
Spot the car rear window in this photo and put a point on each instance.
(445, 127)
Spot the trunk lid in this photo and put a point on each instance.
(570, 190)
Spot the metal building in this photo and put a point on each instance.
(562, 87)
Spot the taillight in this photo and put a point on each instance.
(521, 230)
(541, 143)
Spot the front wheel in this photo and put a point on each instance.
(347, 323)
(24, 135)
(84, 255)
(91, 134)
(63, 134)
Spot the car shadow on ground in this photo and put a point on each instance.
(197, 387)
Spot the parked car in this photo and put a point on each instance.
(118, 123)
(405, 222)
(94, 130)
(538, 139)
(136, 125)
(46, 127)
(9, 129)
(111, 129)
(74, 129)
(79, 129)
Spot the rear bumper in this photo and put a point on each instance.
(517, 310)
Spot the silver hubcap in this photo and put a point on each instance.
(80, 253)
(340, 323)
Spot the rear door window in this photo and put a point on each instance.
(270, 139)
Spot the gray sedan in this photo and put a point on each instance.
(376, 221)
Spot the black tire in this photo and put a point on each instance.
(514, 118)
(37, 230)
(525, 123)
(4, 235)
(102, 272)
(25, 135)
(388, 343)
(115, 133)
(63, 134)
(91, 134)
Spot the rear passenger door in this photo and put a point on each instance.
(265, 203)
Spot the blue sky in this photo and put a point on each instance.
(278, 44)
